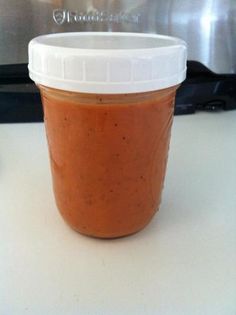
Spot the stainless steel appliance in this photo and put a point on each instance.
(208, 27)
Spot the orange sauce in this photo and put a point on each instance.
(108, 157)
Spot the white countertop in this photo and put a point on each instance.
(183, 263)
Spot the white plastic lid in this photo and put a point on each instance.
(107, 63)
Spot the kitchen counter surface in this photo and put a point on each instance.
(182, 263)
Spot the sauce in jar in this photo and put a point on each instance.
(108, 103)
(108, 157)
